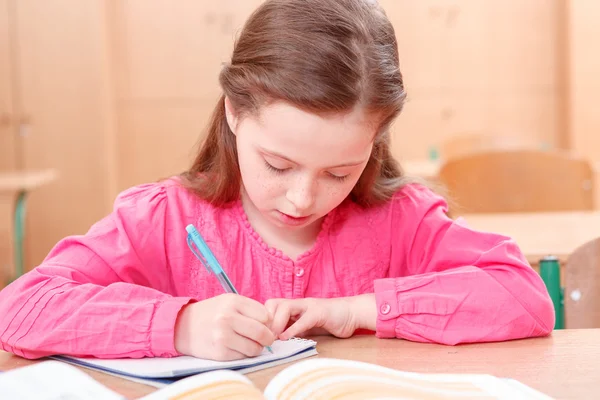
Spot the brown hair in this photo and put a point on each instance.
(322, 56)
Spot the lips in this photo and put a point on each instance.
(292, 220)
(294, 217)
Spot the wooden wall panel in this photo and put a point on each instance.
(477, 66)
(161, 139)
(420, 39)
(168, 61)
(63, 89)
(584, 77)
(8, 159)
(468, 65)
(174, 50)
(8, 149)
(130, 84)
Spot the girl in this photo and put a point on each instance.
(297, 194)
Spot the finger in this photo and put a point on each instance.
(243, 345)
(253, 309)
(227, 354)
(307, 321)
(287, 311)
(222, 343)
(281, 317)
(272, 304)
(253, 330)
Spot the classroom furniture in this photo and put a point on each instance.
(428, 169)
(519, 181)
(582, 286)
(56, 111)
(118, 83)
(14, 189)
(542, 363)
(541, 234)
(463, 144)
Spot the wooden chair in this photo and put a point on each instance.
(473, 142)
(582, 287)
(518, 181)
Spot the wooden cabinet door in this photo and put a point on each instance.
(8, 149)
(477, 66)
(169, 56)
(61, 48)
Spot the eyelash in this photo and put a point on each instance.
(273, 169)
(339, 178)
(280, 171)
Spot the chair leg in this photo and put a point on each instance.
(19, 234)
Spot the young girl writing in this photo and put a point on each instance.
(297, 194)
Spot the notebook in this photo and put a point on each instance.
(159, 372)
(315, 378)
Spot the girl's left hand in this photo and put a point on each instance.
(339, 316)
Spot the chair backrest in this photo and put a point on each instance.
(473, 142)
(582, 287)
(518, 181)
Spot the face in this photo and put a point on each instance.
(296, 166)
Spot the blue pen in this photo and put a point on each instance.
(209, 261)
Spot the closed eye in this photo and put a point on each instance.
(275, 170)
(338, 178)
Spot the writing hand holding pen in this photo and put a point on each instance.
(225, 327)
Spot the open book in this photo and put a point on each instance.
(160, 372)
(317, 378)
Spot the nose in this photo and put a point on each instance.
(302, 193)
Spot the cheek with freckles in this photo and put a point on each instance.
(262, 188)
(332, 196)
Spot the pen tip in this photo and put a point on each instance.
(270, 349)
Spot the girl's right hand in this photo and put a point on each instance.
(222, 328)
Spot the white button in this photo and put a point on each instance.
(385, 308)
(299, 272)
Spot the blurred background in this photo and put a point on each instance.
(97, 96)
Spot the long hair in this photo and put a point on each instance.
(321, 56)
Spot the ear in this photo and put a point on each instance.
(231, 115)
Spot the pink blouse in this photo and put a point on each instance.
(117, 290)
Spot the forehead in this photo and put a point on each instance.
(299, 135)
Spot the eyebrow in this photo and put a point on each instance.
(275, 154)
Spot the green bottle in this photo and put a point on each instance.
(550, 273)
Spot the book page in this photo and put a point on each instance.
(52, 380)
(209, 386)
(351, 380)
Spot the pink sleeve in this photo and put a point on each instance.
(102, 294)
(450, 284)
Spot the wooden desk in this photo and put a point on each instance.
(541, 234)
(16, 181)
(14, 187)
(563, 365)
